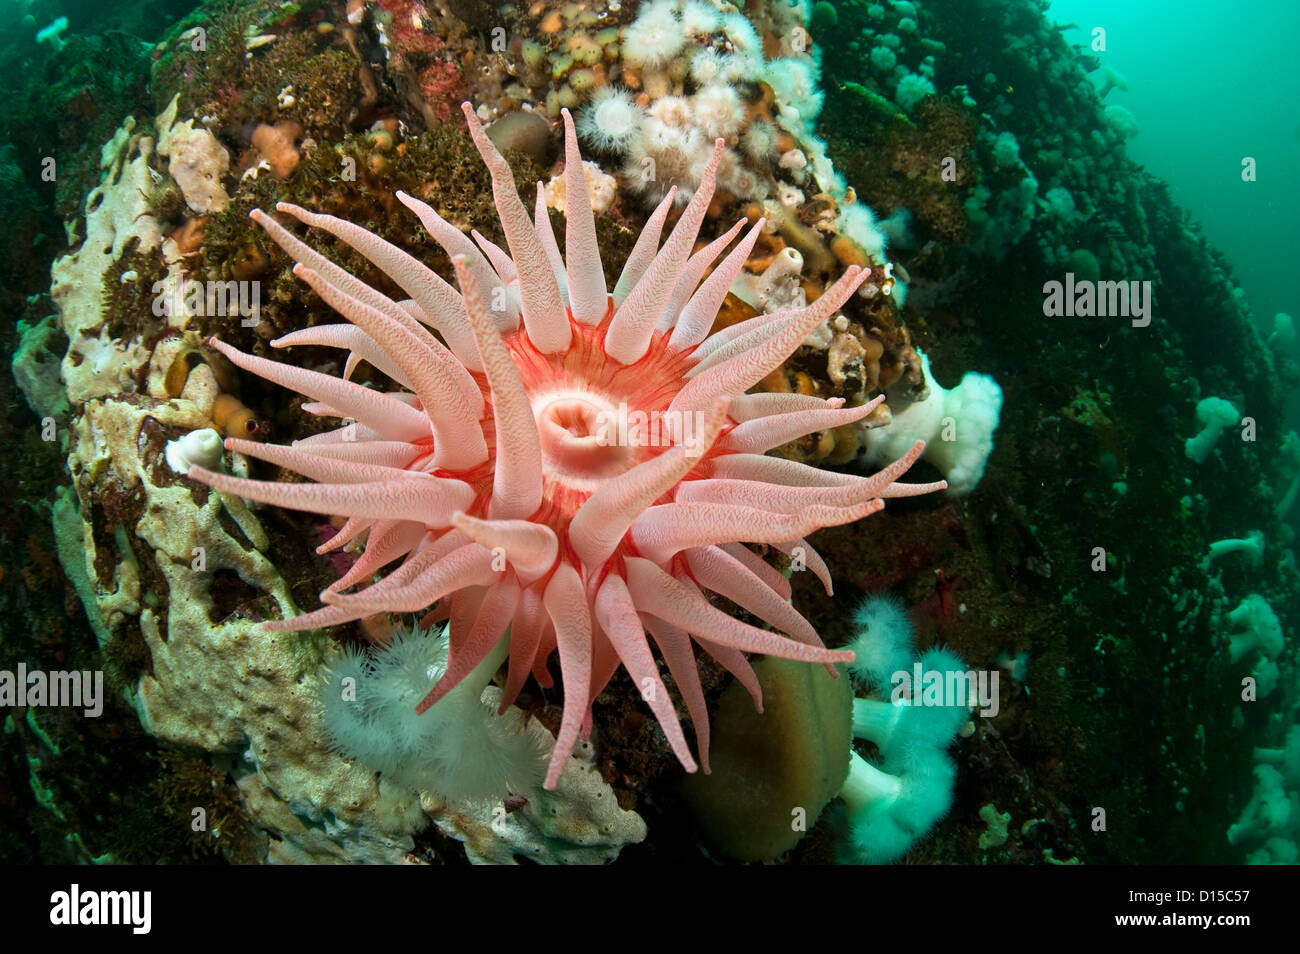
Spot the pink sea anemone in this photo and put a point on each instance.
(572, 466)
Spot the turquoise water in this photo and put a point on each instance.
(1209, 90)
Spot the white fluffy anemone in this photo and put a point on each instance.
(794, 81)
(759, 140)
(892, 802)
(461, 749)
(971, 410)
(858, 222)
(884, 641)
(672, 111)
(612, 120)
(740, 32)
(654, 37)
(718, 111)
(708, 66)
(699, 19)
(739, 180)
(666, 157)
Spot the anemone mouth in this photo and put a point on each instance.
(581, 440)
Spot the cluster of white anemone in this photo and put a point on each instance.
(669, 142)
(894, 801)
